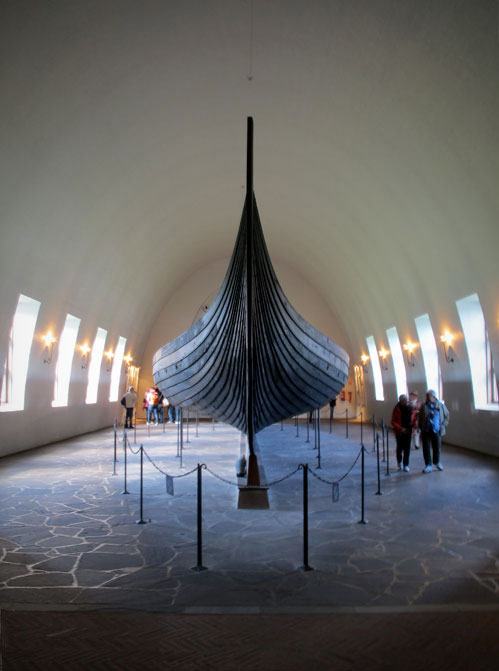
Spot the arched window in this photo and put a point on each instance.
(376, 368)
(19, 349)
(483, 376)
(430, 354)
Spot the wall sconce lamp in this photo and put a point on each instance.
(364, 358)
(49, 341)
(109, 356)
(85, 350)
(128, 360)
(409, 348)
(447, 339)
(383, 353)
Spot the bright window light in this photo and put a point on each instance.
(430, 354)
(67, 344)
(376, 369)
(116, 372)
(19, 349)
(95, 366)
(475, 336)
(398, 361)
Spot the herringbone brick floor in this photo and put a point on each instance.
(115, 641)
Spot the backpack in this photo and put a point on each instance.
(123, 401)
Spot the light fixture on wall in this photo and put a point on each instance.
(383, 353)
(49, 341)
(85, 350)
(128, 360)
(109, 356)
(364, 358)
(409, 348)
(447, 339)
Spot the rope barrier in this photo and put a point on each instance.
(332, 482)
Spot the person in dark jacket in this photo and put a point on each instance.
(403, 423)
(433, 418)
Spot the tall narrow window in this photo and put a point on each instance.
(116, 372)
(67, 345)
(492, 393)
(430, 354)
(476, 338)
(19, 349)
(398, 361)
(95, 365)
(376, 368)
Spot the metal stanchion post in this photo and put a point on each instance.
(134, 420)
(361, 429)
(319, 438)
(142, 520)
(314, 421)
(296, 425)
(115, 439)
(180, 420)
(308, 431)
(387, 452)
(362, 519)
(383, 435)
(379, 492)
(346, 423)
(197, 424)
(306, 566)
(125, 491)
(199, 566)
(187, 429)
(178, 434)
(374, 433)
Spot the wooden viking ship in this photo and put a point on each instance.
(251, 360)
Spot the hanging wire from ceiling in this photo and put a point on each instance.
(250, 68)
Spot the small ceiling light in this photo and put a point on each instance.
(409, 348)
(128, 360)
(447, 339)
(364, 358)
(383, 353)
(49, 341)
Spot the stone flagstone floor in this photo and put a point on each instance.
(69, 537)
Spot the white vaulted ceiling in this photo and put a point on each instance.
(123, 135)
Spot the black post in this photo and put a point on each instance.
(197, 424)
(125, 491)
(187, 429)
(305, 566)
(383, 434)
(362, 519)
(374, 433)
(314, 420)
(178, 432)
(180, 420)
(379, 492)
(346, 425)
(308, 431)
(319, 438)
(115, 439)
(387, 452)
(199, 566)
(134, 420)
(142, 520)
(361, 429)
